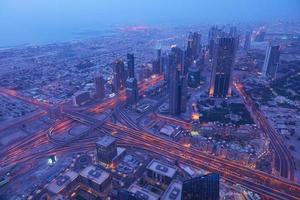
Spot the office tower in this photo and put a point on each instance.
(194, 76)
(233, 33)
(205, 187)
(119, 79)
(106, 149)
(130, 65)
(223, 60)
(99, 85)
(271, 62)
(213, 34)
(178, 55)
(177, 82)
(165, 67)
(247, 43)
(193, 50)
(132, 91)
(158, 65)
(194, 46)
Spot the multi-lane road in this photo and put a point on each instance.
(258, 181)
(268, 185)
(284, 163)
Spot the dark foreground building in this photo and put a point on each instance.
(201, 188)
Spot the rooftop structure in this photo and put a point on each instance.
(59, 184)
(143, 193)
(106, 141)
(94, 174)
(161, 168)
(173, 192)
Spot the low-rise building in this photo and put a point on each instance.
(173, 192)
(161, 172)
(95, 178)
(143, 193)
(63, 184)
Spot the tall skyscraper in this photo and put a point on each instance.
(194, 76)
(271, 62)
(132, 91)
(119, 79)
(99, 85)
(205, 187)
(213, 34)
(233, 32)
(223, 60)
(130, 65)
(158, 66)
(193, 51)
(194, 45)
(247, 43)
(177, 82)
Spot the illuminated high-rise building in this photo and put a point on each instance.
(193, 51)
(271, 62)
(205, 187)
(130, 65)
(132, 91)
(194, 45)
(213, 35)
(99, 85)
(194, 76)
(177, 82)
(119, 79)
(223, 60)
(158, 63)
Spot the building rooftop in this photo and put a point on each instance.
(162, 168)
(61, 182)
(94, 174)
(167, 130)
(106, 141)
(173, 192)
(143, 193)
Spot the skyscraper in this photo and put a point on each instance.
(194, 76)
(177, 82)
(158, 65)
(271, 62)
(247, 43)
(193, 51)
(119, 79)
(202, 188)
(130, 65)
(213, 34)
(99, 84)
(194, 45)
(233, 32)
(223, 60)
(132, 91)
